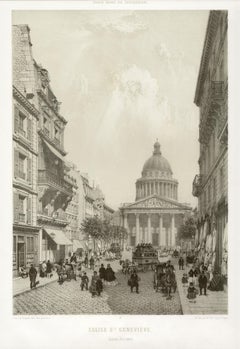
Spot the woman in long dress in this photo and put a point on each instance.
(110, 278)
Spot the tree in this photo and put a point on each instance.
(92, 227)
(187, 229)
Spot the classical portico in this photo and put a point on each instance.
(156, 214)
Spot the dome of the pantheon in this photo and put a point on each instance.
(156, 163)
(157, 177)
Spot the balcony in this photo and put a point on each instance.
(45, 133)
(70, 180)
(48, 178)
(56, 215)
(22, 218)
(197, 185)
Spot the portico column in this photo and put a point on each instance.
(137, 229)
(125, 224)
(173, 242)
(160, 230)
(149, 240)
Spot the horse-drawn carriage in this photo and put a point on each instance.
(164, 279)
(66, 272)
(145, 257)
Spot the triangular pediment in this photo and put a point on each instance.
(156, 201)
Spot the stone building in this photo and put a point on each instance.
(74, 210)
(25, 229)
(25, 151)
(156, 214)
(45, 155)
(211, 184)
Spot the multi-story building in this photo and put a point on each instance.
(25, 153)
(74, 210)
(211, 184)
(53, 185)
(25, 229)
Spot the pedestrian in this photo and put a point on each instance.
(86, 261)
(99, 286)
(190, 276)
(180, 263)
(44, 269)
(202, 281)
(91, 261)
(110, 277)
(84, 281)
(134, 281)
(93, 287)
(102, 272)
(32, 276)
(192, 292)
(49, 269)
(73, 259)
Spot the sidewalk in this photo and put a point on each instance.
(21, 285)
(214, 303)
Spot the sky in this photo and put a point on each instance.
(125, 79)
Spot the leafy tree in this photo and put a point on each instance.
(92, 227)
(187, 229)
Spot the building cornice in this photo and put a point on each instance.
(26, 228)
(24, 187)
(23, 100)
(209, 37)
(24, 143)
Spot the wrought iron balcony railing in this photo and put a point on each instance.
(47, 177)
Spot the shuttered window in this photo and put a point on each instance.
(15, 207)
(29, 169)
(29, 210)
(16, 118)
(29, 129)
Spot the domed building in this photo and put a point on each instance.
(156, 213)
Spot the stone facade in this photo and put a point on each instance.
(156, 214)
(211, 184)
(25, 229)
(42, 186)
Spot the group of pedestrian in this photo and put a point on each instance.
(46, 269)
(104, 276)
(198, 276)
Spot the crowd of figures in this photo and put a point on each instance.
(199, 278)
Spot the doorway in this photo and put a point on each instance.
(21, 254)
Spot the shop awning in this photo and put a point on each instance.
(54, 151)
(58, 236)
(78, 244)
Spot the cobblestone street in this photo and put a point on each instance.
(69, 299)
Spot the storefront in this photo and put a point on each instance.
(25, 248)
(55, 245)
